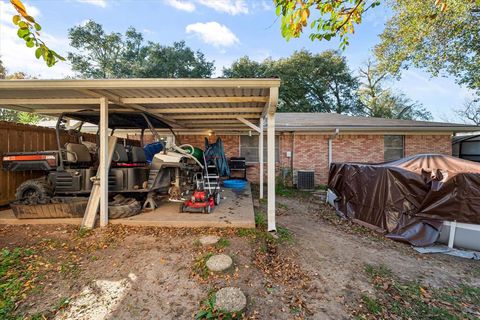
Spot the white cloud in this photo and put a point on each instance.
(98, 3)
(181, 5)
(16, 56)
(232, 7)
(262, 5)
(213, 33)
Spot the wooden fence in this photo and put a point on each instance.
(20, 137)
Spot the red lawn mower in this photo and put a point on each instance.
(207, 193)
(200, 202)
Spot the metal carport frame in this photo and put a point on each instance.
(219, 105)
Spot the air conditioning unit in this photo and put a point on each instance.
(305, 179)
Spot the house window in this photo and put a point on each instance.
(249, 148)
(393, 148)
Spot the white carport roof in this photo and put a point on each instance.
(187, 104)
(201, 104)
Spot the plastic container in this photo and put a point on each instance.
(234, 183)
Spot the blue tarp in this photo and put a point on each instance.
(152, 149)
(215, 153)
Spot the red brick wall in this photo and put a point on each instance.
(441, 144)
(310, 151)
(357, 148)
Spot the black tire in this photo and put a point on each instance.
(125, 208)
(207, 209)
(217, 198)
(182, 208)
(34, 191)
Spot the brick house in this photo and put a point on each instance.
(303, 140)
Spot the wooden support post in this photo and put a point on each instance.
(271, 171)
(260, 157)
(103, 168)
(94, 200)
(99, 194)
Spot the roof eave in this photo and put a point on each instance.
(453, 129)
(133, 83)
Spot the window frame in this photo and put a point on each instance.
(265, 146)
(385, 148)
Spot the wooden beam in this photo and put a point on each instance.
(217, 126)
(248, 123)
(215, 116)
(205, 110)
(271, 105)
(18, 108)
(203, 121)
(119, 101)
(49, 101)
(169, 100)
(58, 111)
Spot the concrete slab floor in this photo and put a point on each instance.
(234, 211)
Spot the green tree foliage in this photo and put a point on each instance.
(247, 68)
(332, 17)
(378, 101)
(12, 115)
(29, 30)
(440, 36)
(310, 82)
(113, 55)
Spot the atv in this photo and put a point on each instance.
(68, 171)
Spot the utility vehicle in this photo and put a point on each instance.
(68, 170)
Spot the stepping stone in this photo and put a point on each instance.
(209, 240)
(230, 299)
(219, 262)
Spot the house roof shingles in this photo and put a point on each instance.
(332, 121)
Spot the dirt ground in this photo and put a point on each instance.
(315, 270)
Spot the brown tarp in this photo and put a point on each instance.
(411, 197)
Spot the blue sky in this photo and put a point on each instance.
(223, 29)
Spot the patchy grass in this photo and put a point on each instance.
(284, 191)
(260, 220)
(16, 279)
(49, 314)
(83, 232)
(284, 235)
(222, 243)
(209, 311)
(69, 269)
(380, 270)
(372, 305)
(397, 299)
(322, 187)
(200, 266)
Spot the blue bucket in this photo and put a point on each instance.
(234, 183)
